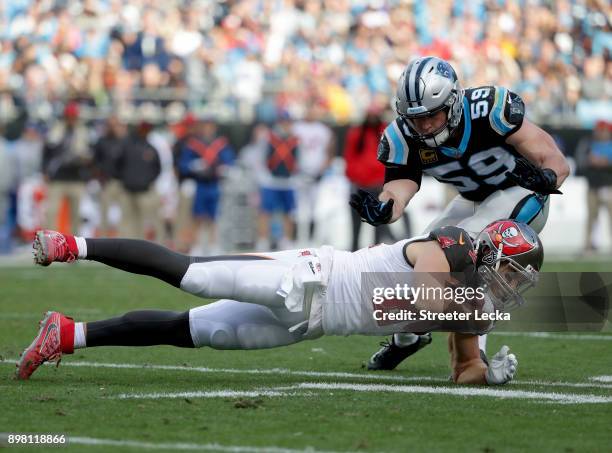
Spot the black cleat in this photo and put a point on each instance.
(391, 355)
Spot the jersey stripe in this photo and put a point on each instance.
(497, 116)
(467, 128)
(397, 145)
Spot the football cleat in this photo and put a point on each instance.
(50, 246)
(46, 347)
(391, 355)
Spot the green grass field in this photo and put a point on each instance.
(287, 407)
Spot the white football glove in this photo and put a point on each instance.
(502, 367)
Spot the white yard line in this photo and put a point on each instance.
(179, 445)
(601, 378)
(567, 398)
(555, 336)
(266, 371)
(315, 374)
(205, 394)
(563, 384)
(290, 391)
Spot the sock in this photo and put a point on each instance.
(67, 335)
(405, 339)
(139, 257)
(142, 328)
(482, 343)
(79, 335)
(81, 245)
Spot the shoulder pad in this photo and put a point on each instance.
(507, 113)
(383, 149)
(457, 246)
(450, 235)
(393, 147)
(515, 109)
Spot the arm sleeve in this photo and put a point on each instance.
(395, 173)
(412, 170)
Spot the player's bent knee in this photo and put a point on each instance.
(228, 324)
(217, 335)
(224, 337)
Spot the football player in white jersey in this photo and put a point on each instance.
(281, 298)
(478, 140)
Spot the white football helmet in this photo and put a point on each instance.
(428, 85)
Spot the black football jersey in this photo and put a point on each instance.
(475, 159)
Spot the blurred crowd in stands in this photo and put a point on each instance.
(284, 188)
(112, 111)
(247, 58)
(169, 182)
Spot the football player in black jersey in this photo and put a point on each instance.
(478, 140)
(262, 312)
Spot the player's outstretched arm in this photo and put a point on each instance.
(388, 206)
(537, 146)
(401, 192)
(467, 366)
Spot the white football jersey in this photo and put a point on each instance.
(346, 309)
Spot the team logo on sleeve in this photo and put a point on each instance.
(445, 241)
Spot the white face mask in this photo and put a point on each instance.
(434, 138)
(438, 139)
(505, 289)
